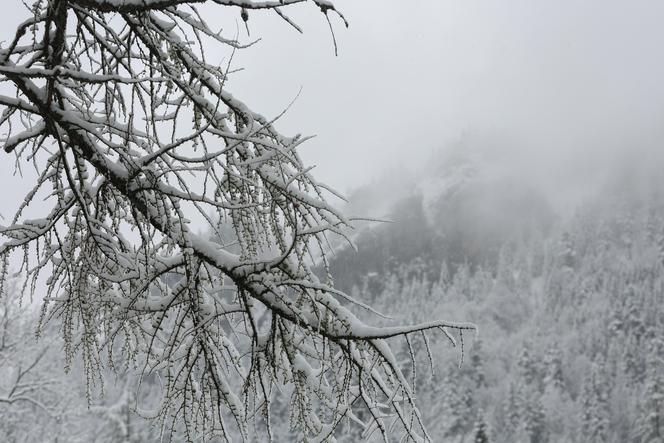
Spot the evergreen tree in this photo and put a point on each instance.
(568, 252)
(534, 422)
(511, 411)
(633, 318)
(595, 421)
(480, 431)
(553, 377)
(454, 409)
(650, 424)
(630, 363)
(527, 365)
(477, 366)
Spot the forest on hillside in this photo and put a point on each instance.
(570, 342)
(175, 267)
(571, 327)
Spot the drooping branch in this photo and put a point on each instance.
(134, 132)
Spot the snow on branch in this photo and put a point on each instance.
(133, 132)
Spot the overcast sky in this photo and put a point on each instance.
(569, 85)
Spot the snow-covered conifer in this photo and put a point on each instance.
(553, 373)
(480, 431)
(595, 420)
(650, 423)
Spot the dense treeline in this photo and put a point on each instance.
(570, 348)
(571, 340)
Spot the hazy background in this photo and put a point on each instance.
(563, 90)
(473, 125)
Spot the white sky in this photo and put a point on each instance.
(571, 84)
(567, 84)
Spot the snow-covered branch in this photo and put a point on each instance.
(133, 131)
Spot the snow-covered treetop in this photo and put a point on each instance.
(131, 130)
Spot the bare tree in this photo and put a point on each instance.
(28, 384)
(101, 96)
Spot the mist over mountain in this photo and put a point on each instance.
(178, 263)
(566, 291)
(460, 209)
(478, 195)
